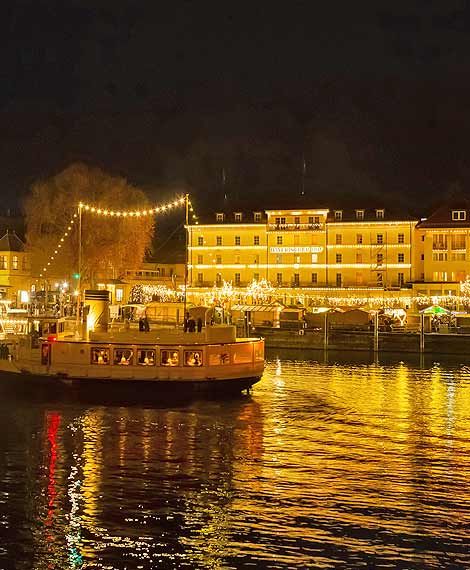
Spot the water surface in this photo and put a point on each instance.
(342, 463)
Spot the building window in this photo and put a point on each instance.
(256, 259)
(458, 256)
(14, 262)
(25, 263)
(219, 217)
(439, 241)
(422, 257)
(145, 357)
(200, 240)
(279, 240)
(237, 240)
(339, 239)
(338, 215)
(339, 280)
(380, 279)
(237, 278)
(218, 279)
(169, 358)
(279, 258)
(314, 257)
(296, 279)
(3, 262)
(459, 215)
(280, 221)
(279, 278)
(218, 259)
(218, 240)
(297, 259)
(237, 259)
(379, 214)
(119, 295)
(439, 256)
(359, 214)
(401, 279)
(359, 238)
(359, 278)
(255, 276)
(380, 258)
(458, 241)
(358, 257)
(297, 220)
(439, 276)
(200, 259)
(255, 240)
(401, 258)
(257, 216)
(380, 238)
(200, 277)
(314, 220)
(314, 278)
(163, 272)
(238, 216)
(339, 258)
(401, 238)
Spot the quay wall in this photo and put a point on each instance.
(457, 344)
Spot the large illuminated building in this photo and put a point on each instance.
(15, 270)
(303, 249)
(441, 254)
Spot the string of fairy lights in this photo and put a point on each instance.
(107, 212)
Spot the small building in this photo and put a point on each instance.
(15, 270)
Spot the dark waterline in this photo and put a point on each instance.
(331, 462)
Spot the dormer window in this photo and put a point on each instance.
(379, 214)
(359, 214)
(338, 215)
(459, 215)
(238, 216)
(257, 216)
(219, 217)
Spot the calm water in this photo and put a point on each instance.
(342, 464)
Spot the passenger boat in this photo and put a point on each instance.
(212, 360)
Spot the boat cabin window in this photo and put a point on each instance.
(145, 357)
(242, 353)
(169, 358)
(219, 357)
(123, 356)
(99, 355)
(193, 357)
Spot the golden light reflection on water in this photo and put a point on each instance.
(340, 463)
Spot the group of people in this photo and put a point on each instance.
(191, 325)
(144, 325)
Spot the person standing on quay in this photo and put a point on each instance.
(199, 324)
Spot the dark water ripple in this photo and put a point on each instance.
(340, 464)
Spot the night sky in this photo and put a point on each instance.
(374, 96)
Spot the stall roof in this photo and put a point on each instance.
(255, 308)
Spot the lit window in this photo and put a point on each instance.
(218, 240)
(359, 238)
(279, 278)
(314, 257)
(200, 277)
(257, 216)
(237, 279)
(193, 357)
(339, 280)
(200, 240)
(339, 258)
(3, 262)
(338, 215)
(219, 217)
(256, 240)
(401, 258)
(200, 259)
(238, 216)
(401, 238)
(359, 214)
(314, 278)
(218, 259)
(401, 279)
(358, 257)
(279, 258)
(379, 214)
(169, 358)
(297, 220)
(279, 240)
(296, 281)
(339, 239)
(14, 262)
(237, 240)
(255, 276)
(146, 357)
(459, 215)
(123, 356)
(380, 238)
(380, 258)
(119, 295)
(99, 355)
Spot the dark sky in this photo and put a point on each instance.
(374, 95)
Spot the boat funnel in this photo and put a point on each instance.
(96, 310)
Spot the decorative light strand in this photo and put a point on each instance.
(193, 218)
(99, 211)
(59, 245)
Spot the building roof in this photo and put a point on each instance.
(370, 215)
(11, 242)
(442, 217)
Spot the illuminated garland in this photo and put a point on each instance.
(194, 218)
(59, 245)
(90, 208)
(143, 294)
(260, 291)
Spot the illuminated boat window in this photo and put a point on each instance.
(242, 354)
(169, 358)
(123, 356)
(219, 358)
(99, 355)
(146, 357)
(193, 357)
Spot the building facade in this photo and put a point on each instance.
(15, 270)
(307, 248)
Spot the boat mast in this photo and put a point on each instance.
(186, 208)
(79, 279)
